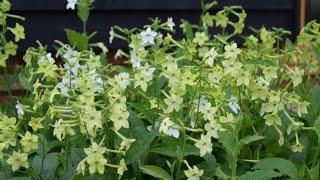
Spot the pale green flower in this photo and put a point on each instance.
(242, 78)
(204, 145)
(36, 123)
(173, 102)
(272, 120)
(296, 76)
(270, 72)
(208, 112)
(200, 38)
(231, 51)
(297, 147)
(231, 67)
(96, 163)
(193, 173)
(18, 32)
(210, 57)
(122, 167)
(29, 142)
(212, 129)
(18, 160)
(221, 19)
(95, 149)
(207, 19)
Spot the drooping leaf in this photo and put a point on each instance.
(248, 139)
(78, 40)
(156, 172)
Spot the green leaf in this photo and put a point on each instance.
(262, 174)
(170, 149)
(209, 166)
(315, 98)
(229, 142)
(156, 172)
(142, 136)
(24, 80)
(221, 174)
(248, 139)
(49, 165)
(314, 172)
(279, 165)
(78, 40)
(83, 12)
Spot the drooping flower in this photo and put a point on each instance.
(193, 173)
(170, 23)
(111, 35)
(122, 167)
(19, 108)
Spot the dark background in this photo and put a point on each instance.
(45, 19)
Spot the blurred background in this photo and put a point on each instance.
(46, 20)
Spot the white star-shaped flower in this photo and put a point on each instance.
(148, 36)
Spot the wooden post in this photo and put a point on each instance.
(302, 13)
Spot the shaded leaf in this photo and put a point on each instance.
(280, 165)
(156, 172)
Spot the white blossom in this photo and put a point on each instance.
(71, 4)
(19, 108)
(170, 23)
(148, 36)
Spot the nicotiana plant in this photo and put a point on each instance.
(198, 107)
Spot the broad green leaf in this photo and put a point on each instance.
(262, 174)
(247, 140)
(156, 172)
(280, 165)
(221, 174)
(209, 165)
(142, 136)
(24, 80)
(229, 142)
(315, 98)
(46, 166)
(78, 40)
(314, 173)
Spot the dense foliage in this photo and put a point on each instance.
(198, 107)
